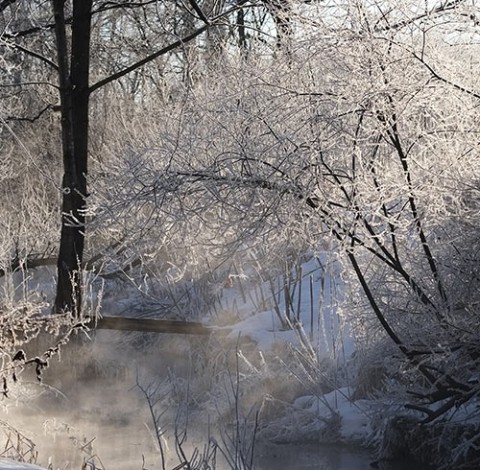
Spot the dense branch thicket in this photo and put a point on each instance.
(360, 139)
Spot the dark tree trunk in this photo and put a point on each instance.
(242, 36)
(74, 97)
(281, 14)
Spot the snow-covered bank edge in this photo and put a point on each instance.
(8, 464)
(331, 418)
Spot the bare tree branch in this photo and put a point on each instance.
(33, 118)
(199, 11)
(447, 6)
(148, 59)
(32, 53)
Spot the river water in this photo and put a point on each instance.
(68, 440)
(79, 416)
(310, 457)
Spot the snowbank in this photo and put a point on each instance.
(329, 418)
(353, 416)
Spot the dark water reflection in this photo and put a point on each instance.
(322, 457)
(309, 457)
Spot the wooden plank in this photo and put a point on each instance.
(151, 325)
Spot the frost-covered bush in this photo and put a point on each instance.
(24, 320)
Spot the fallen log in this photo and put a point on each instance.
(28, 263)
(150, 325)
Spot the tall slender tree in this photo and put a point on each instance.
(73, 77)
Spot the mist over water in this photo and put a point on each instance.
(89, 408)
(89, 404)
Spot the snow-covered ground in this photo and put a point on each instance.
(7, 464)
(315, 290)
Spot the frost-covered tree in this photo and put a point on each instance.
(81, 48)
(364, 135)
